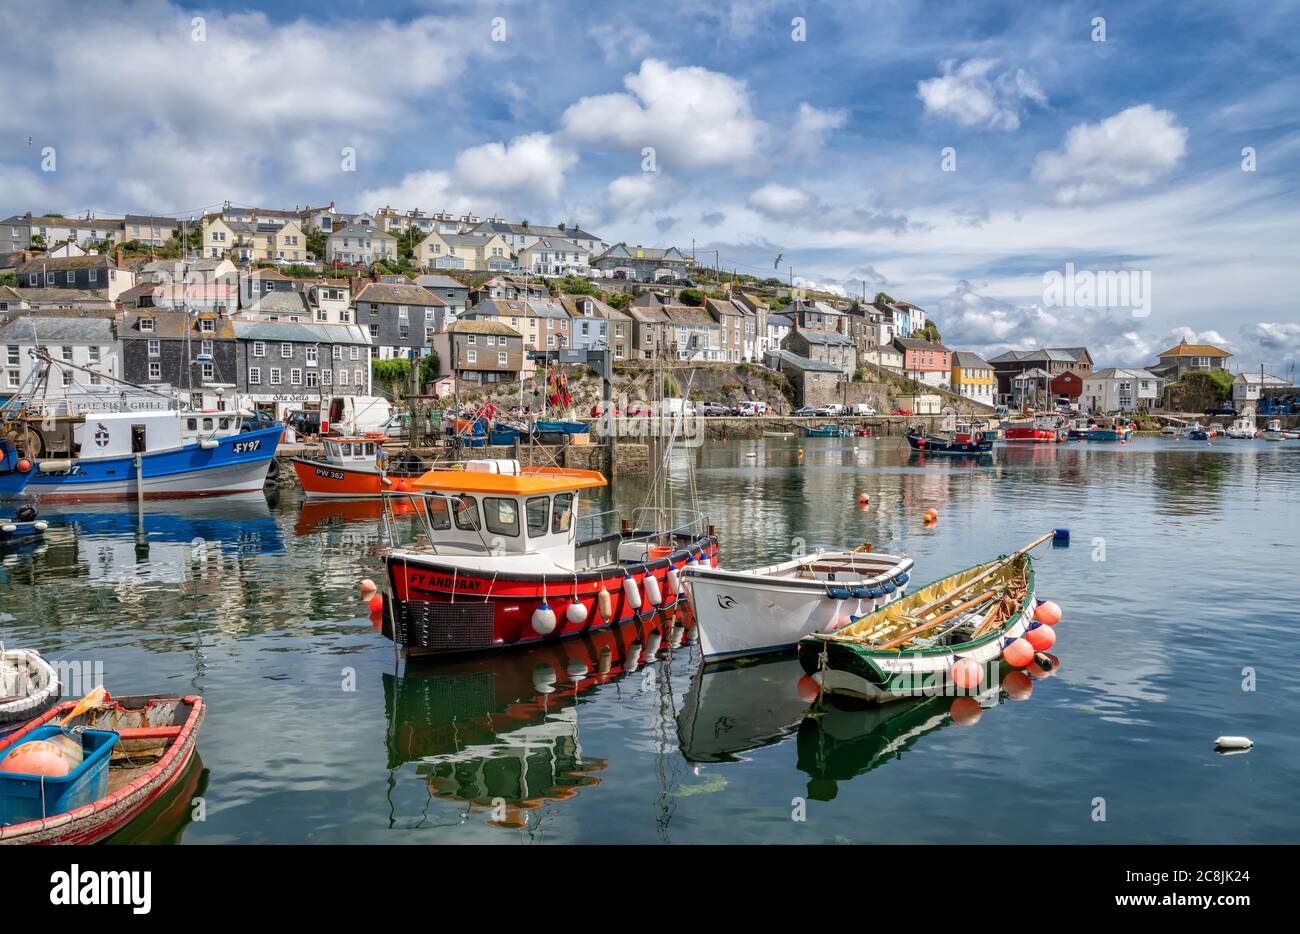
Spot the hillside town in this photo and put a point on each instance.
(287, 308)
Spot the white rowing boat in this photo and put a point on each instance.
(770, 609)
(29, 686)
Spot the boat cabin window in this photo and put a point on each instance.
(538, 510)
(501, 515)
(207, 424)
(437, 514)
(192, 424)
(224, 424)
(467, 513)
(562, 513)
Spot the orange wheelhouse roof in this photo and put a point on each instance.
(529, 482)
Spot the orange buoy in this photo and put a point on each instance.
(1018, 654)
(24, 465)
(377, 603)
(1048, 613)
(966, 673)
(1017, 685)
(932, 513)
(864, 499)
(808, 689)
(965, 711)
(800, 452)
(37, 757)
(1041, 637)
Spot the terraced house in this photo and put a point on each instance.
(290, 364)
(523, 235)
(464, 252)
(972, 377)
(360, 245)
(148, 229)
(478, 351)
(74, 336)
(642, 263)
(93, 272)
(618, 324)
(551, 256)
(179, 349)
(400, 319)
(255, 242)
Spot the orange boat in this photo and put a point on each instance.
(350, 468)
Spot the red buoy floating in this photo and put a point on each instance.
(1018, 654)
(1040, 637)
(966, 673)
(864, 499)
(932, 513)
(1048, 613)
(965, 711)
(808, 689)
(24, 465)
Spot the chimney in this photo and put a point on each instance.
(118, 258)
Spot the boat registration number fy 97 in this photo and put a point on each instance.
(243, 447)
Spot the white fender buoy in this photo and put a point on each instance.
(576, 613)
(544, 679)
(8, 527)
(653, 595)
(577, 670)
(1233, 742)
(652, 643)
(632, 593)
(604, 603)
(40, 525)
(674, 580)
(605, 663)
(544, 619)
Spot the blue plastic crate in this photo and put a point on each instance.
(21, 795)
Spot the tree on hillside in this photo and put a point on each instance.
(316, 242)
(619, 300)
(692, 297)
(928, 333)
(573, 285)
(884, 298)
(391, 373)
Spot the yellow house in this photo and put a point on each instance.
(248, 241)
(972, 377)
(461, 251)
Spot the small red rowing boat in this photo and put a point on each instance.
(158, 734)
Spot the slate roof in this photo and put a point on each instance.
(387, 294)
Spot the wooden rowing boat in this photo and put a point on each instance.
(906, 649)
(158, 735)
(29, 686)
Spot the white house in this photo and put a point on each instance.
(1246, 387)
(1120, 390)
(551, 256)
(74, 337)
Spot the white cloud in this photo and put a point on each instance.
(1277, 342)
(795, 206)
(692, 117)
(781, 200)
(429, 190)
(1127, 151)
(621, 41)
(533, 164)
(811, 129)
(972, 95)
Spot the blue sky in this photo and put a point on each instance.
(819, 139)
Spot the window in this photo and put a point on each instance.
(155, 348)
(311, 379)
(286, 350)
(155, 370)
(357, 378)
(14, 378)
(205, 348)
(471, 340)
(502, 359)
(326, 377)
(66, 353)
(14, 357)
(338, 352)
(471, 356)
(311, 356)
(562, 514)
(207, 325)
(343, 377)
(502, 515)
(295, 377)
(71, 277)
(355, 355)
(537, 510)
(146, 324)
(94, 354)
(374, 333)
(259, 348)
(93, 275)
(208, 372)
(254, 375)
(275, 376)
(467, 513)
(437, 515)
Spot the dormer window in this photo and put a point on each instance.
(146, 324)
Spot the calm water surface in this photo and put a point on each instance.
(1180, 576)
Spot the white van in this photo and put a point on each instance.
(355, 415)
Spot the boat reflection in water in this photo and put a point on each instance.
(165, 820)
(733, 710)
(499, 733)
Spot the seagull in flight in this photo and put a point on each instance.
(776, 263)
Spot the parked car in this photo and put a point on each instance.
(664, 280)
(900, 411)
(834, 409)
(860, 408)
(303, 423)
(1222, 410)
(685, 283)
(714, 409)
(600, 409)
(256, 421)
(751, 407)
(805, 411)
(620, 273)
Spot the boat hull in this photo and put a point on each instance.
(743, 614)
(1032, 436)
(931, 446)
(439, 608)
(238, 464)
(13, 482)
(320, 480)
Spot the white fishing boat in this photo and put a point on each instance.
(1274, 431)
(1244, 425)
(770, 609)
(29, 686)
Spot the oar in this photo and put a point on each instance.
(71, 748)
(947, 597)
(942, 618)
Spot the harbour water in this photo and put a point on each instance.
(1179, 627)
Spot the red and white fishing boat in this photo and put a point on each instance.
(348, 468)
(1041, 429)
(499, 562)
